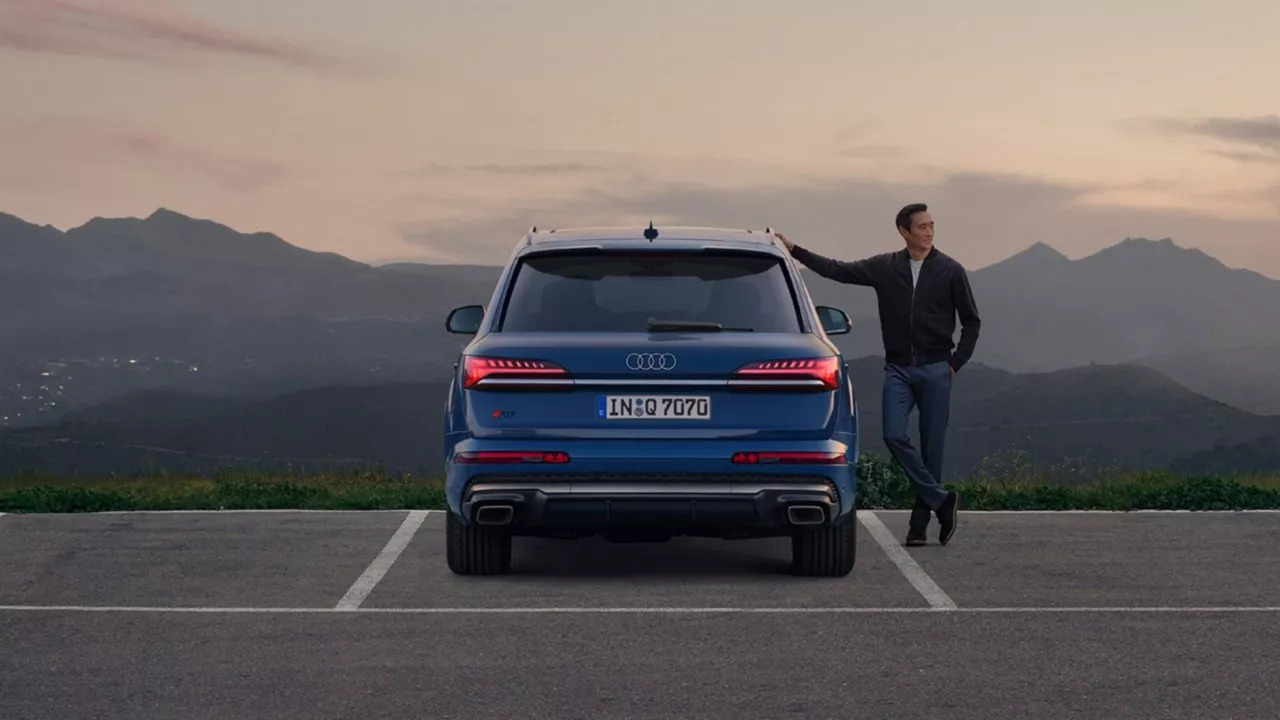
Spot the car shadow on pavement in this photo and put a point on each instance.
(597, 557)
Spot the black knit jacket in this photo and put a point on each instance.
(917, 324)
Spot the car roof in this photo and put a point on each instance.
(636, 236)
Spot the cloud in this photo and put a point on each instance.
(146, 30)
(1259, 133)
(513, 169)
(982, 218)
(84, 144)
(873, 152)
(1249, 156)
(1262, 132)
(236, 173)
(1273, 194)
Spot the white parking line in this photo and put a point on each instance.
(628, 610)
(1263, 511)
(919, 579)
(250, 511)
(381, 564)
(236, 511)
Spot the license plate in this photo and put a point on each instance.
(653, 407)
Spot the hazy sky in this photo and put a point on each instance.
(439, 131)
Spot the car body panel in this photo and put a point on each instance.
(684, 462)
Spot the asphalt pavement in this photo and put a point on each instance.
(355, 615)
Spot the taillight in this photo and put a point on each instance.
(511, 372)
(809, 373)
(512, 456)
(789, 458)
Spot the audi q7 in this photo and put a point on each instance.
(646, 383)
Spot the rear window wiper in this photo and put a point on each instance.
(687, 325)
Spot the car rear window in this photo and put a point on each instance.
(619, 293)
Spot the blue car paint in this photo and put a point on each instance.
(637, 450)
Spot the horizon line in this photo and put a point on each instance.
(382, 262)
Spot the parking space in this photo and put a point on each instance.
(1056, 560)
(963, 666)
(187, 559)
(239, 615)
(594, 573)
(377, 560)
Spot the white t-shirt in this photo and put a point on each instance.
(915, 270)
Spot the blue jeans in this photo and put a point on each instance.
(929, 388)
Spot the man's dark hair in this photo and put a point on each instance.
(906, 213)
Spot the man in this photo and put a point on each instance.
(920, 291)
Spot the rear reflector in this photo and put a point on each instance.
(512, 372)
(789, 458)
(814, 373)
(512, 456)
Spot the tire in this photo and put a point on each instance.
(828, 552)
(476, 549)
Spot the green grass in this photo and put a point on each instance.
(883, 486)
(229, 491)
(1002, 485)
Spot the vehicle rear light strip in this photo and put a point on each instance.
(512, 372)
(512, 457)
(819, 373)
(789, 458)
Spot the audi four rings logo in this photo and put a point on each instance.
(651, 361)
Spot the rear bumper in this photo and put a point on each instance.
(712, 506)
(667, 487)
(543, 510)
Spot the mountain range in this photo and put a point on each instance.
(181, 342)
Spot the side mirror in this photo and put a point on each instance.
(834, 321)
(465, 320)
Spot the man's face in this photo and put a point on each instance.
(920, 235)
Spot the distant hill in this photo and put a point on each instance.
(1134, 300)
(1254, 456)
(1139, 302)
(170, 302)
(394, 425)
(1125, 416)
(170, 266)
(251, 313)
(1128, 417)
(486, 275)
(1246, 377)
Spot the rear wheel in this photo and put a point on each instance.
(828, 552)
(475, 549)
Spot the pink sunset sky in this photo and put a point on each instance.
(439, 131)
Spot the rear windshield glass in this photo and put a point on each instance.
(617, 293)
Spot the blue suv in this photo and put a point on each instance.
(640, 384)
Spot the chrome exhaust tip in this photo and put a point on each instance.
(495, 515)
(806, 515)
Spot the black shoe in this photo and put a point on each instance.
(916, 538)
(947, 516)
(920, 517)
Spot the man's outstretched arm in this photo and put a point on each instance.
(970, 323)
(857, 272)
